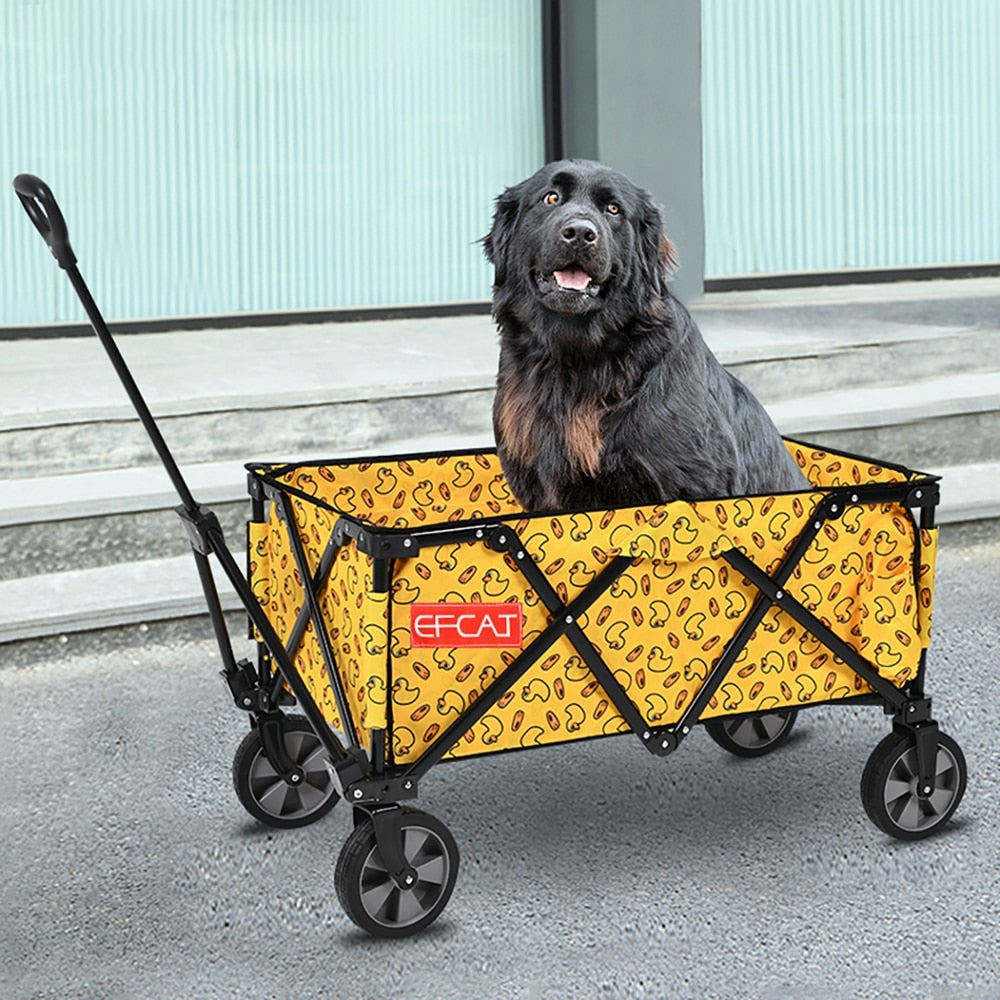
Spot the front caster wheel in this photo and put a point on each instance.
(267, 796)
(890, 792)
(370, 896)
(752, 735)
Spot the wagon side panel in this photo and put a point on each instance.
(355, 618)
(859, 578)
(555, 700)
(409, 493)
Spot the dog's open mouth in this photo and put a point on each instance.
(571, 278)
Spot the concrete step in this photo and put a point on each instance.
(938, 422)
(257, 428)
(970, 493)
(243, 394)
(103, 597)
(789, 342)
(894, 356)
(86, 520)
(150, 591)
(237, 394)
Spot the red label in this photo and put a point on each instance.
(486, 626)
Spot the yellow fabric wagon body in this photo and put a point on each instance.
(415, 650)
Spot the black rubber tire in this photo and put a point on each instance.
(270, 799)
(369, 896)
(889, 787)
(752, 735)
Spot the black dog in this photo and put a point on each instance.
(607, 395)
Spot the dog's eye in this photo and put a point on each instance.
(613, 208)
(551, 198)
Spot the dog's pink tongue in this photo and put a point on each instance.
(573, 277)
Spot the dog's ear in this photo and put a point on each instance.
(668, 256)
(659, 255)
(496, 241)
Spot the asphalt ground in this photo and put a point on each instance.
(590, 870)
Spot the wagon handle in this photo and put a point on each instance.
(40, 204)
(201, 524)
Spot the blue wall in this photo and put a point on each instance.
(218, 156)
(850, 134)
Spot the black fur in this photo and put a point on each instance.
(608, 396)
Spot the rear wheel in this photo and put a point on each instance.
(269, 797)
(752, 735)
(890, 790)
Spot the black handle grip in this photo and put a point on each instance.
(39, 202)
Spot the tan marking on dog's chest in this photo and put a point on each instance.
(521, 421)
(583, 437)
(516, 418)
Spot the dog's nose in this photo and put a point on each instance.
(579, 232)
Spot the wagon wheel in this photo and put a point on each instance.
(752, 735)
(889, 790)
(267, 796)
(368, 893)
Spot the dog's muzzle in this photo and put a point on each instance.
(571, 277)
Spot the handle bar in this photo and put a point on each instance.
(203, 526)
(39, 202)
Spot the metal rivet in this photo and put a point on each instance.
(407, 785)
(358, 793)
(665, 744)
(407, 543)
(685, 730)
(479, 533)
(817, 525)
(779, 595)
(520, 555)
(296, 779)
(854, 498)
(569, 619)
(919, 494)
(502, 539)
(645, 735)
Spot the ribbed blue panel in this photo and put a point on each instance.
(217, 156)
(850, 134)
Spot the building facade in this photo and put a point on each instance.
(218, 158)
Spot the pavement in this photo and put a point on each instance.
(590, 870)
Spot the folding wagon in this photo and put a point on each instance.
(414, 613)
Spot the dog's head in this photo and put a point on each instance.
(577, 248)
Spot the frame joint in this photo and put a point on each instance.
(663, 741)
(200, 525)
(923, 495)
